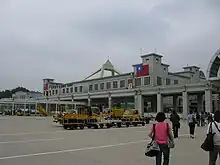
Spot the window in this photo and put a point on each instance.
(80, 89)
(167, 81)
(52, 92)
(159, 81)
(146, 59)
(56, 91)
(102, 86)
(90, 87)
(146, 80)
(130, 81)
(108, 85)
(71, 90)
(96, 87)
(157, 60)
(63, 90)
(138, 82)
(115, 84)
(76, 89)
(176, 81)
(67, 90)
(122, 83)
(164, 69)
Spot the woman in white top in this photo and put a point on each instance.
(215, 129)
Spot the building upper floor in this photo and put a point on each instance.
(150, 72)
(26, 95)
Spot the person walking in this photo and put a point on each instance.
(215, 126)
(175, 119)
(198, 119)
(162, 135)
(192, 123)
(203, 119)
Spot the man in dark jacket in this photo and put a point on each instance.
(175, 119)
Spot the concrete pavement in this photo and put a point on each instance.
(35, 140)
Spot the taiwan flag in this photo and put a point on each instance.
(142, 70)
(46, 86)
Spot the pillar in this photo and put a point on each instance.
(89, 101)
(56, 109)
(200, 103)
(216, 103)
(109, 102)
(13, 108)
(46, 106)
(29, 108)
(139, 104)
(159, 103)
(36, 108)
(175, 103)
(73, 103)
(185, 104)
(25, 107)
(208, 100)
(135, 102)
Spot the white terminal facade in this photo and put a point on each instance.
(155, 91)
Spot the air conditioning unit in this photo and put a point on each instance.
(130, 85)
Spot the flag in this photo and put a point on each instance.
(46, 86)
(142, 70)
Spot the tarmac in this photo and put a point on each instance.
(37, 140)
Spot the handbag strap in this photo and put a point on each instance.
(210, 127)
(154, 132)
(216, 126)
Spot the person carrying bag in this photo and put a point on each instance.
(212, 141)
(152, 148)
(162, 137)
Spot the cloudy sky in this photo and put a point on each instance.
(67, 40)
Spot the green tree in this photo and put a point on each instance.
(8, 93)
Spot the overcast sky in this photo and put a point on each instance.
(67, 40)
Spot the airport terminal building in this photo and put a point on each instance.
(150, 88)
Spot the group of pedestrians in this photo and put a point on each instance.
(162, 133)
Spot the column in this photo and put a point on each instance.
(185, 104)
(109, 102)
(25, 107)
(73, 103)
(216, 103)
(29, 108)
(56, 109)
(159, 103)
(46, 106)
(140, 104)
(13, 108)
(36, 108)
(135, 102)
(89, 101)
(175, 103)
(200, 102)
(208, 100)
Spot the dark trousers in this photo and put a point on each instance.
(175, 130)
(192, 128)
(213, 155)
(165, 150)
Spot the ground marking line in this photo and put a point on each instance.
(73, 150)
(77, 149)
(69, 131)
(30, 133)
(28, 141)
